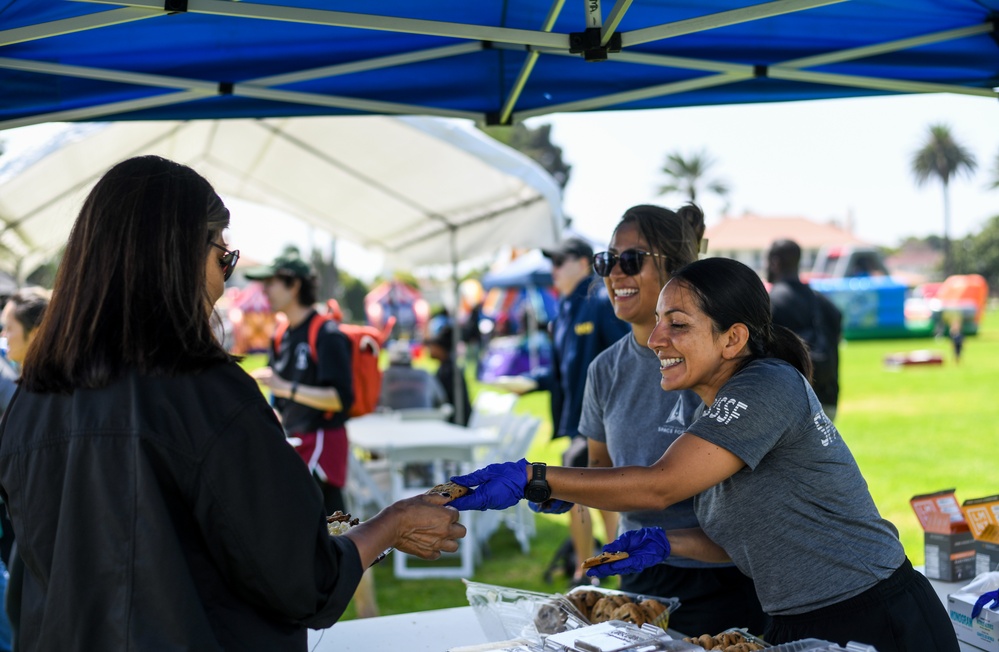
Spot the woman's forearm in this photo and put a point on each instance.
(618, 489)
(693, 543)
(690, 466)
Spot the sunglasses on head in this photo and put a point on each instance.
(630, 260)
(227, 261)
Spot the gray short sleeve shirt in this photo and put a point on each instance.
(624, 407)
(798, 518)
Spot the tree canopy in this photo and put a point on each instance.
(979, 254)
(941, 157)
(537, 144)
(688, 176)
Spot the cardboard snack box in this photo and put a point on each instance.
(948, 544)
(982, 516)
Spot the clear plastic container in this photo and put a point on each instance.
(507, 613)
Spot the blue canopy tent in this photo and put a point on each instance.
(523, 289)
(489, 61)
(529, 269)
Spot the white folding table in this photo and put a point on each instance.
(434, 445)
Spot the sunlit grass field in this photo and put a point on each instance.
(913, 430)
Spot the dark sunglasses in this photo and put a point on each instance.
(227, 261)
(558, 261)
(630, 259)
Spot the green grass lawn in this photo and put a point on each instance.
(913, 430)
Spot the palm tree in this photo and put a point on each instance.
(941, 157)
(687, 175)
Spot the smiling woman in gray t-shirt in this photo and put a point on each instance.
(778, 491)
(629, 420)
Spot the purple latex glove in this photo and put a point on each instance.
(646, 547)
(551, 506)
(496, 486)
(991, 596)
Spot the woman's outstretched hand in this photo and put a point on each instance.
(496, 486)
(645, 547)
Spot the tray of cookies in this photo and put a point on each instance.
(731, 640)
(598, 605)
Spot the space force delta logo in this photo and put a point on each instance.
(725, 410)
(675, 417)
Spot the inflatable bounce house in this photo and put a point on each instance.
(251, 320)
(519, 303)
(877, 306)
(397, 299)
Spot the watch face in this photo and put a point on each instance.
(538, 492)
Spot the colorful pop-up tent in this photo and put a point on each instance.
(489, 60)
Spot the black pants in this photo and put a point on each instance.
(899, 614)
(711, 599)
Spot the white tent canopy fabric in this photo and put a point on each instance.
(419, 190)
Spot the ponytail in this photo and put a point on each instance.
(786, 345)
(694, 217)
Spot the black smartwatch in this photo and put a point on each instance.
(538, 490)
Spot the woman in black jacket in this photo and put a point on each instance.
(156, 502)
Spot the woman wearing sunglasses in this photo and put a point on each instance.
(155, 499)
(629, 420)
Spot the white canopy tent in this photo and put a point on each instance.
(420, 190)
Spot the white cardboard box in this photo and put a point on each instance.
(981, 632)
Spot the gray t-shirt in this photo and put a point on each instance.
(624, 407)
(798, 518)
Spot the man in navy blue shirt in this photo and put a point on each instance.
(585, 326)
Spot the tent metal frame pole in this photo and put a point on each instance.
(668, 61)
(614, 19)
(359, 21)
(721, 19)
(459, 367)
(484, 217)
(875, 83)
(75, 24)
(104, 110)
(104, 74)
(366, 65)
(342, 102)
(614, 99)
(889, 46)
(528, 66)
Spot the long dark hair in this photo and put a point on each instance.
(130, 292)
(730, 293)
(677, 235)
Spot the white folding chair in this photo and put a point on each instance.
(442, 413)
(414, 470)
(368, 485)
(491, 409)
(516, 436)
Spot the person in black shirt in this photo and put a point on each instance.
(155, 498)
(439, 347)
(309, 375)
(810, 315)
